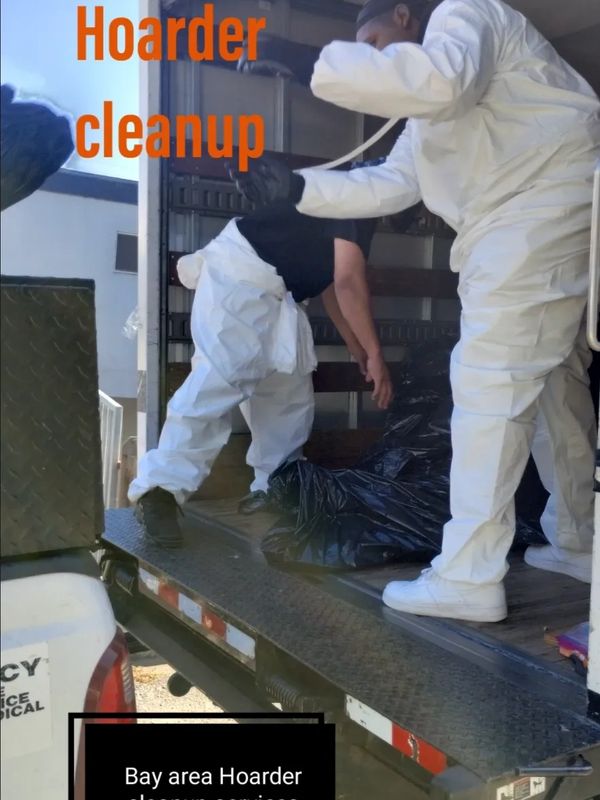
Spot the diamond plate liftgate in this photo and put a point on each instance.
(478, 718)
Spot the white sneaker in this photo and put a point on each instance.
(555, 559)
(433, 596)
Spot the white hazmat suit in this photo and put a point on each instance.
(253, 348)
(501, 142)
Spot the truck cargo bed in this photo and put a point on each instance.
(491, 700)
(540, 603)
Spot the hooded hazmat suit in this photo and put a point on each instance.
(501, 141)
(253, 348)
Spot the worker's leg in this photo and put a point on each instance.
(563, 449)
(280, 415)
(497, 389)
(231, 325)
(543, 455)
(197, 426)
(492, 430)
(520, 321)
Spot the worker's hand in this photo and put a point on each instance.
(268, 181)
(379, 375)
(359, 354)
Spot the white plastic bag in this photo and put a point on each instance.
(132, 324)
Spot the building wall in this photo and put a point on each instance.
(60, 235)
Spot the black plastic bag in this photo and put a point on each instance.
(392, 505)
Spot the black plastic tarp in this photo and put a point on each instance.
(392, 505)
(34, 143)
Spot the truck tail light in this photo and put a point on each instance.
(111, 690)
(111, 686)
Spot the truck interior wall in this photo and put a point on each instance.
(289, 20)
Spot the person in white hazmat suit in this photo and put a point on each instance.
(501, 141)
(254, 348)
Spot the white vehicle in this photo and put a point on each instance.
(62, 651)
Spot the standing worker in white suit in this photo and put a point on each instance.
(501, 142)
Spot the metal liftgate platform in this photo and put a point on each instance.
(482, 719)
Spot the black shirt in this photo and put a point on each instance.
(300, 247)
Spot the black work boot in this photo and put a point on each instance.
(159, 513)
(253, 502)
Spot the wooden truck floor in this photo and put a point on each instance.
(540, 603)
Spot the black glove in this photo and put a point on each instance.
(269, 182)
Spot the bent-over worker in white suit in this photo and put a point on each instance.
(501, 142)
(254, 348)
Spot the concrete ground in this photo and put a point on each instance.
(151, 675)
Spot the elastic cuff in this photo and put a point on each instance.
(136, 491)
(297, 188)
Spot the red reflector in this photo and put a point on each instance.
(169, 595)
(214, 623)
(111, 687)
(434, 761)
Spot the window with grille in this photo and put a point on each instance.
(127, 253)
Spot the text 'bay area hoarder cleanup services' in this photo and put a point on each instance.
(150, 781)
(152, 39)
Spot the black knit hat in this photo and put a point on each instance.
(373, 162)
(374, 8)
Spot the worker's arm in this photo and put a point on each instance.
(359, 193)
(354, 299)
(356, 350)
(367, 192)
(440, 79)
